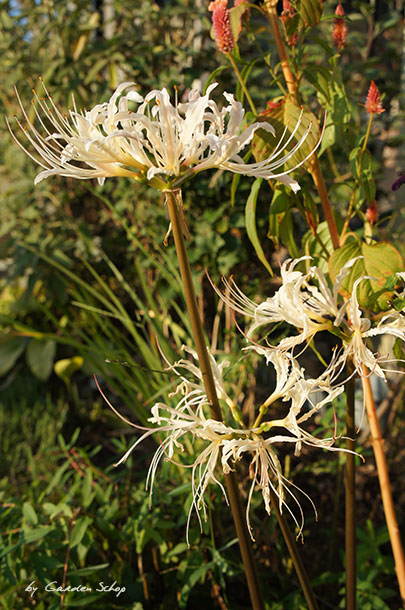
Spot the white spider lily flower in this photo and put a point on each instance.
(393, 323)
(149, 138)
(299, 303)
(265, 471)
(175, 423)
(187, 386)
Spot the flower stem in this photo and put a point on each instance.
(295, 556)
(385, 486)
(363, 148)
(270, 8)
(173, 198)
(315, 170)
(350, 485)
(242, 83)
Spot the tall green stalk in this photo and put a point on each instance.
(173, 199)
(295, 556)
(350, 485)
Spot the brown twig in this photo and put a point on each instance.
(385, 486)
(350, 485)
(295, 556)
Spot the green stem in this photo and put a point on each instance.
(295, 556)
(173, 198)
(243, 85)
(363, 148)
(350, 485)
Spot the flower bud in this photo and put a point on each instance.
(372, 213)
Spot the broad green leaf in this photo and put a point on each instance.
(38, 533)
(236, 14)
(319, 77)
(192, 581)
(379, 261)
(339, 113)
(79, 531)
(310, 11)
(30, 514)
(40, 356)
(284, 118)
(281, 201)
(10, 349)
(250, 218)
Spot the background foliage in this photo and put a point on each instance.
(87, 287)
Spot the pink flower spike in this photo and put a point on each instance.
(221, 21)
(373, 101)
(339, 33)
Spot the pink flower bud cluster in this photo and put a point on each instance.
(221, 21)
(373, 101)
(339, 34)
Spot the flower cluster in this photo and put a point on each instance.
(307, 303)
(225, 444)
(373, 103)
(149, 138)
(339, 33)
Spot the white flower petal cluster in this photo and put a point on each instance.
(223, 444)
(149, 138)
(307, 303)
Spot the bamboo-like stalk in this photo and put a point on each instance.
(295, 556)
(350, 485)
(172, 199)
(315, 169)
(270, 8)
(385, 486)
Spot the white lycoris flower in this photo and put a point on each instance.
(150, 138)
(311, 308)
(306, 307)
(221, 445)
(392, 323)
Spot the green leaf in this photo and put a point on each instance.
(10, 349)
(319, 77)
(191, 582)
(285, 118)
(88, 570)
(236, 13)
(380, 261)
(79, 531)
(281, 201)
(40, 356)
(30, 514)
(38, 533)
(310, 11)
(86, 489)
(250, 219)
